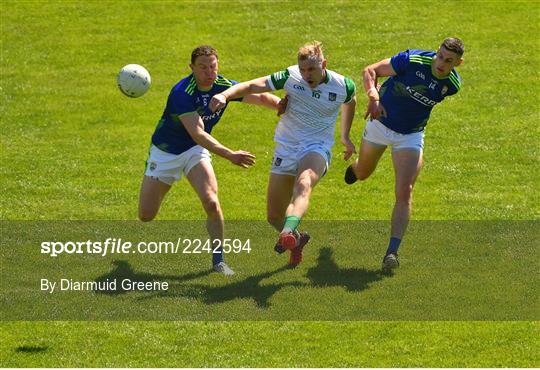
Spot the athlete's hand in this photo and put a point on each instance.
(217, 102)
(350, 149)
(242, 158)
(282, 105)
(375, 109)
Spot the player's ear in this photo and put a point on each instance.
(458, 63)
(324, 64)
(191, 66)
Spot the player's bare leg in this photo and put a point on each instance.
(279, 195)
(278, 198)
(203, 180)
(407, 166)
(151, 196)
(310, 170)
(366, 163)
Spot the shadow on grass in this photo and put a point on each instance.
(31, 349)
(328, 273)
(248, 288)
(123, 270)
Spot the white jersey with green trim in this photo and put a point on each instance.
(311, 113)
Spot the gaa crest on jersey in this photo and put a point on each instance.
(332, 96)
(444, 90)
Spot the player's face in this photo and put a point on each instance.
(444, 61)
(205, 70)
(312, 71)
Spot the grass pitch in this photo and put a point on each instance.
(73, 148)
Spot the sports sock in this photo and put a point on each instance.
(393, 245)
(291, 223)
(217, 256)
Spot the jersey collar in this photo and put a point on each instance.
(327, 77)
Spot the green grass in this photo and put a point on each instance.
(73, 148)
(452, 271)
(281, 344)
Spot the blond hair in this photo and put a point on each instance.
(311, 51)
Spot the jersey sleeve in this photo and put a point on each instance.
(277, 80)
(455, 81)
(350, 88)
(181, 103)
(400, 62)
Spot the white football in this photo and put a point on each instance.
(134, 80)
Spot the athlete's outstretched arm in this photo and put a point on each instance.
(370, 74)
(265, 99)
(195, 127)
(256, 86)
(347, 116)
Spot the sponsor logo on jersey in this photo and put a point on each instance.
(420, 98)
(298, 87)
(211, 116)
(332, 96)
(421, 75)
(277, 161)
(153, 166)
(201, 110)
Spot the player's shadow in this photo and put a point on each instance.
(328, 273)
(247, 288)
(325, 273)
(123, 270)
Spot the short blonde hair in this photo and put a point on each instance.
(311, 51)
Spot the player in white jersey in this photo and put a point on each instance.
(304, 137)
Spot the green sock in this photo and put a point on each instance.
(291, 223)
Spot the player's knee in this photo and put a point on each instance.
(211, 205)
(303, 185)
(404, 194)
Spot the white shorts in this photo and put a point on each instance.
(168, 167)
(286, 158)
(378, 134)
